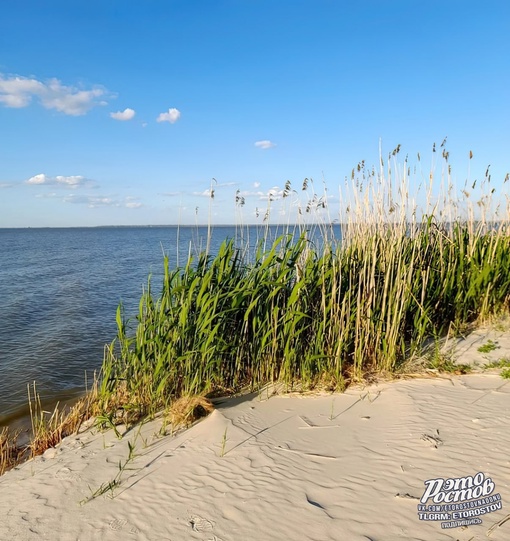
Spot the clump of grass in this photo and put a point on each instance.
(444, 363)
(488, 347)
(303, 312)
(11, 453)
(505, 374)
(501, 363)
(185, 410)
(50, 428)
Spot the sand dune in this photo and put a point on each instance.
(350, 466)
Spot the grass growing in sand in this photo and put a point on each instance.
(47, 428)
(307, 311)
(504, 364)
(501, 363)
(10, 452)
(319, 314)
(488, 347)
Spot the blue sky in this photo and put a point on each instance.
(116, 112)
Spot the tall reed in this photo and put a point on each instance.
(318, 313)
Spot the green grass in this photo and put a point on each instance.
(501, 363)
(488, 347)
(315, 314)
(444, 363)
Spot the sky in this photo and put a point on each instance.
(123, 112)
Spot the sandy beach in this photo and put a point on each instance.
(269, 467)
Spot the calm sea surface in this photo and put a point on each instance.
(59, 290)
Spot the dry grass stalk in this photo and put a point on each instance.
(50, 428)
(184, 411)
(11, 454)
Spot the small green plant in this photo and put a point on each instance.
(105, 422)
(444, 363)
(224, 440)
(501, 363)
(505, 373)
(488, 347)
(139, 435)
(113, 484)
(103, 489)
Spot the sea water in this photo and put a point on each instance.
(59, 292)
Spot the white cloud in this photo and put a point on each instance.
(256, 184)
(70, 100)
(205, 193)
(38, 179)
(103, 201)
(273, 194)
(127, 114)
(171, 116)
(18, 92)
(132, 203)
(264, 144)
(5, 185)
(90, 201)
(73, 181)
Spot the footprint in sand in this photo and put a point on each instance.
(119, 524)
(65, 474)
(199, 524)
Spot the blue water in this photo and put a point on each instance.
(59, 291)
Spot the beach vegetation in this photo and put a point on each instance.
(11, 453)
(504, 364)
(186, 410)
(224, 440)
(49, 428)
(488, 347)
(310, 309)
(505, 373)
(500, 363)
(443, 362)
(109, 488)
